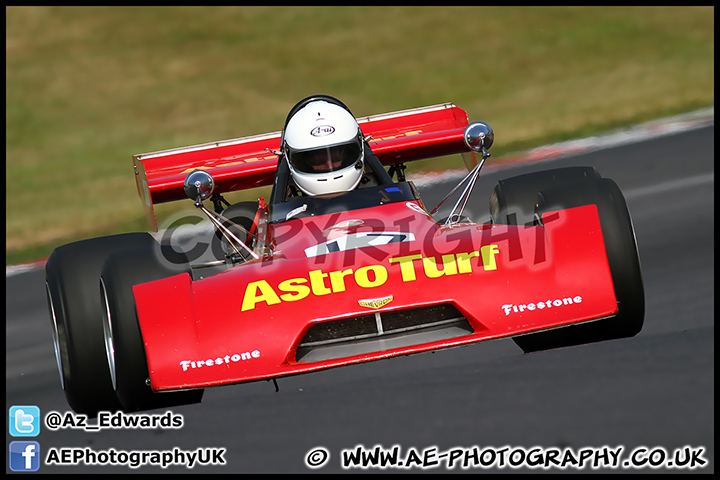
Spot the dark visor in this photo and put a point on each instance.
(325, 159)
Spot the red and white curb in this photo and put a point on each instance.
(615, 138)
(11, 270)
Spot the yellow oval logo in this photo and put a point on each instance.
(375, 302)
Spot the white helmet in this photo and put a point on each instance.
(323, 145)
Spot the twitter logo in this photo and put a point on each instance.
(24, 421)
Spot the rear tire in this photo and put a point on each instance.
(71, 279)
(125, 348)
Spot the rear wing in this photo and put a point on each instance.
(250, 162)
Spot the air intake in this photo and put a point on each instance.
(381, 331)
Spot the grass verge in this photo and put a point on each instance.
(87, 87)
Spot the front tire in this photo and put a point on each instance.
(622, 255)
(71, 283)
(124, 344)
(569, 188)
(512, 201)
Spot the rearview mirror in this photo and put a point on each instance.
(478, 136)
(199, 186)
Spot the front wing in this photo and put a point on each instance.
(288, 316)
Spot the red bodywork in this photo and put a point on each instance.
(247, 323)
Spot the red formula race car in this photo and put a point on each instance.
(305, 282)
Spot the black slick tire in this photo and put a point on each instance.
(72, 275)
(512, 201)
(623, 259)
(123, 337)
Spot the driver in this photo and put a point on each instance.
(323, 146)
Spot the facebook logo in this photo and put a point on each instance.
(24, 456)
(24, 421)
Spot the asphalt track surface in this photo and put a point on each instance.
(653, 391)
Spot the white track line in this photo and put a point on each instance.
(669, 186)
